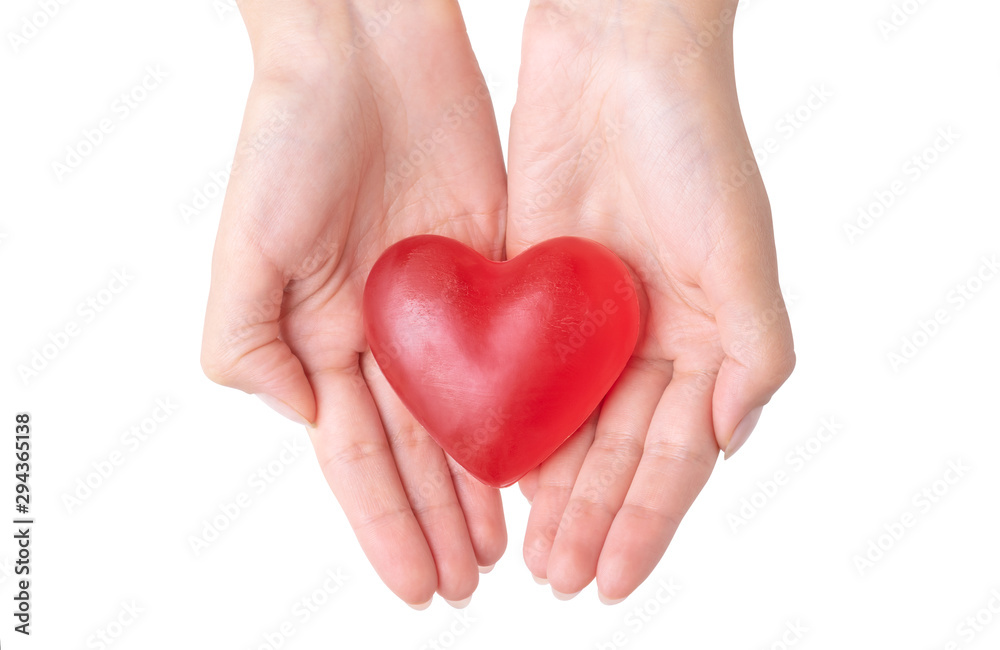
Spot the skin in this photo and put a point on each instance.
(320, 188)
(619, 135)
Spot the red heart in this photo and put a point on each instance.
(500, 361)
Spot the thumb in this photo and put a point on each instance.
(240, 345)
(741, 282)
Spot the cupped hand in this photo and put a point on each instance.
(367, 122)
(627, 130)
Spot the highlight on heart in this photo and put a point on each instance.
(500, 361)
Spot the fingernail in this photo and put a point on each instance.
(283, 408)
(541, 581)
(608, 601)
(459, 604)
(743, 431)
(561, 596)
(422, 606)
(487, 569)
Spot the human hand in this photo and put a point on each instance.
(352, 140)
(627, 130)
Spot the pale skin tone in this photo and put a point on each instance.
(616, 137)
(660, 126)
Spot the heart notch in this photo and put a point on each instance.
(500, 362)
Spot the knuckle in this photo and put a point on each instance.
(359, 453)
(661, 519)
(375, 522)
(618, 447)
(668, 453)
(590, 503)
(408, 436)
(215, 366)
(778, 360)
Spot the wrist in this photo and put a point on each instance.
(638, 11)
(295, 39)
(681, 30)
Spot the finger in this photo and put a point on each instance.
(677, 459)
(606, 475)
(240, 344)
(483, 515)
(529, 484)
(556, 476)
(358, 464)
(741, 282)
(427, 481)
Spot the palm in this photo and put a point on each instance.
(361, 193)
(628, 153)
(359, 157)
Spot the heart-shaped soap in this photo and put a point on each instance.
(500, 361)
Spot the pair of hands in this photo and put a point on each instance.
(368, 122)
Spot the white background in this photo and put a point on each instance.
(793, 563)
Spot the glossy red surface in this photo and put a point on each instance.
(500, 361)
